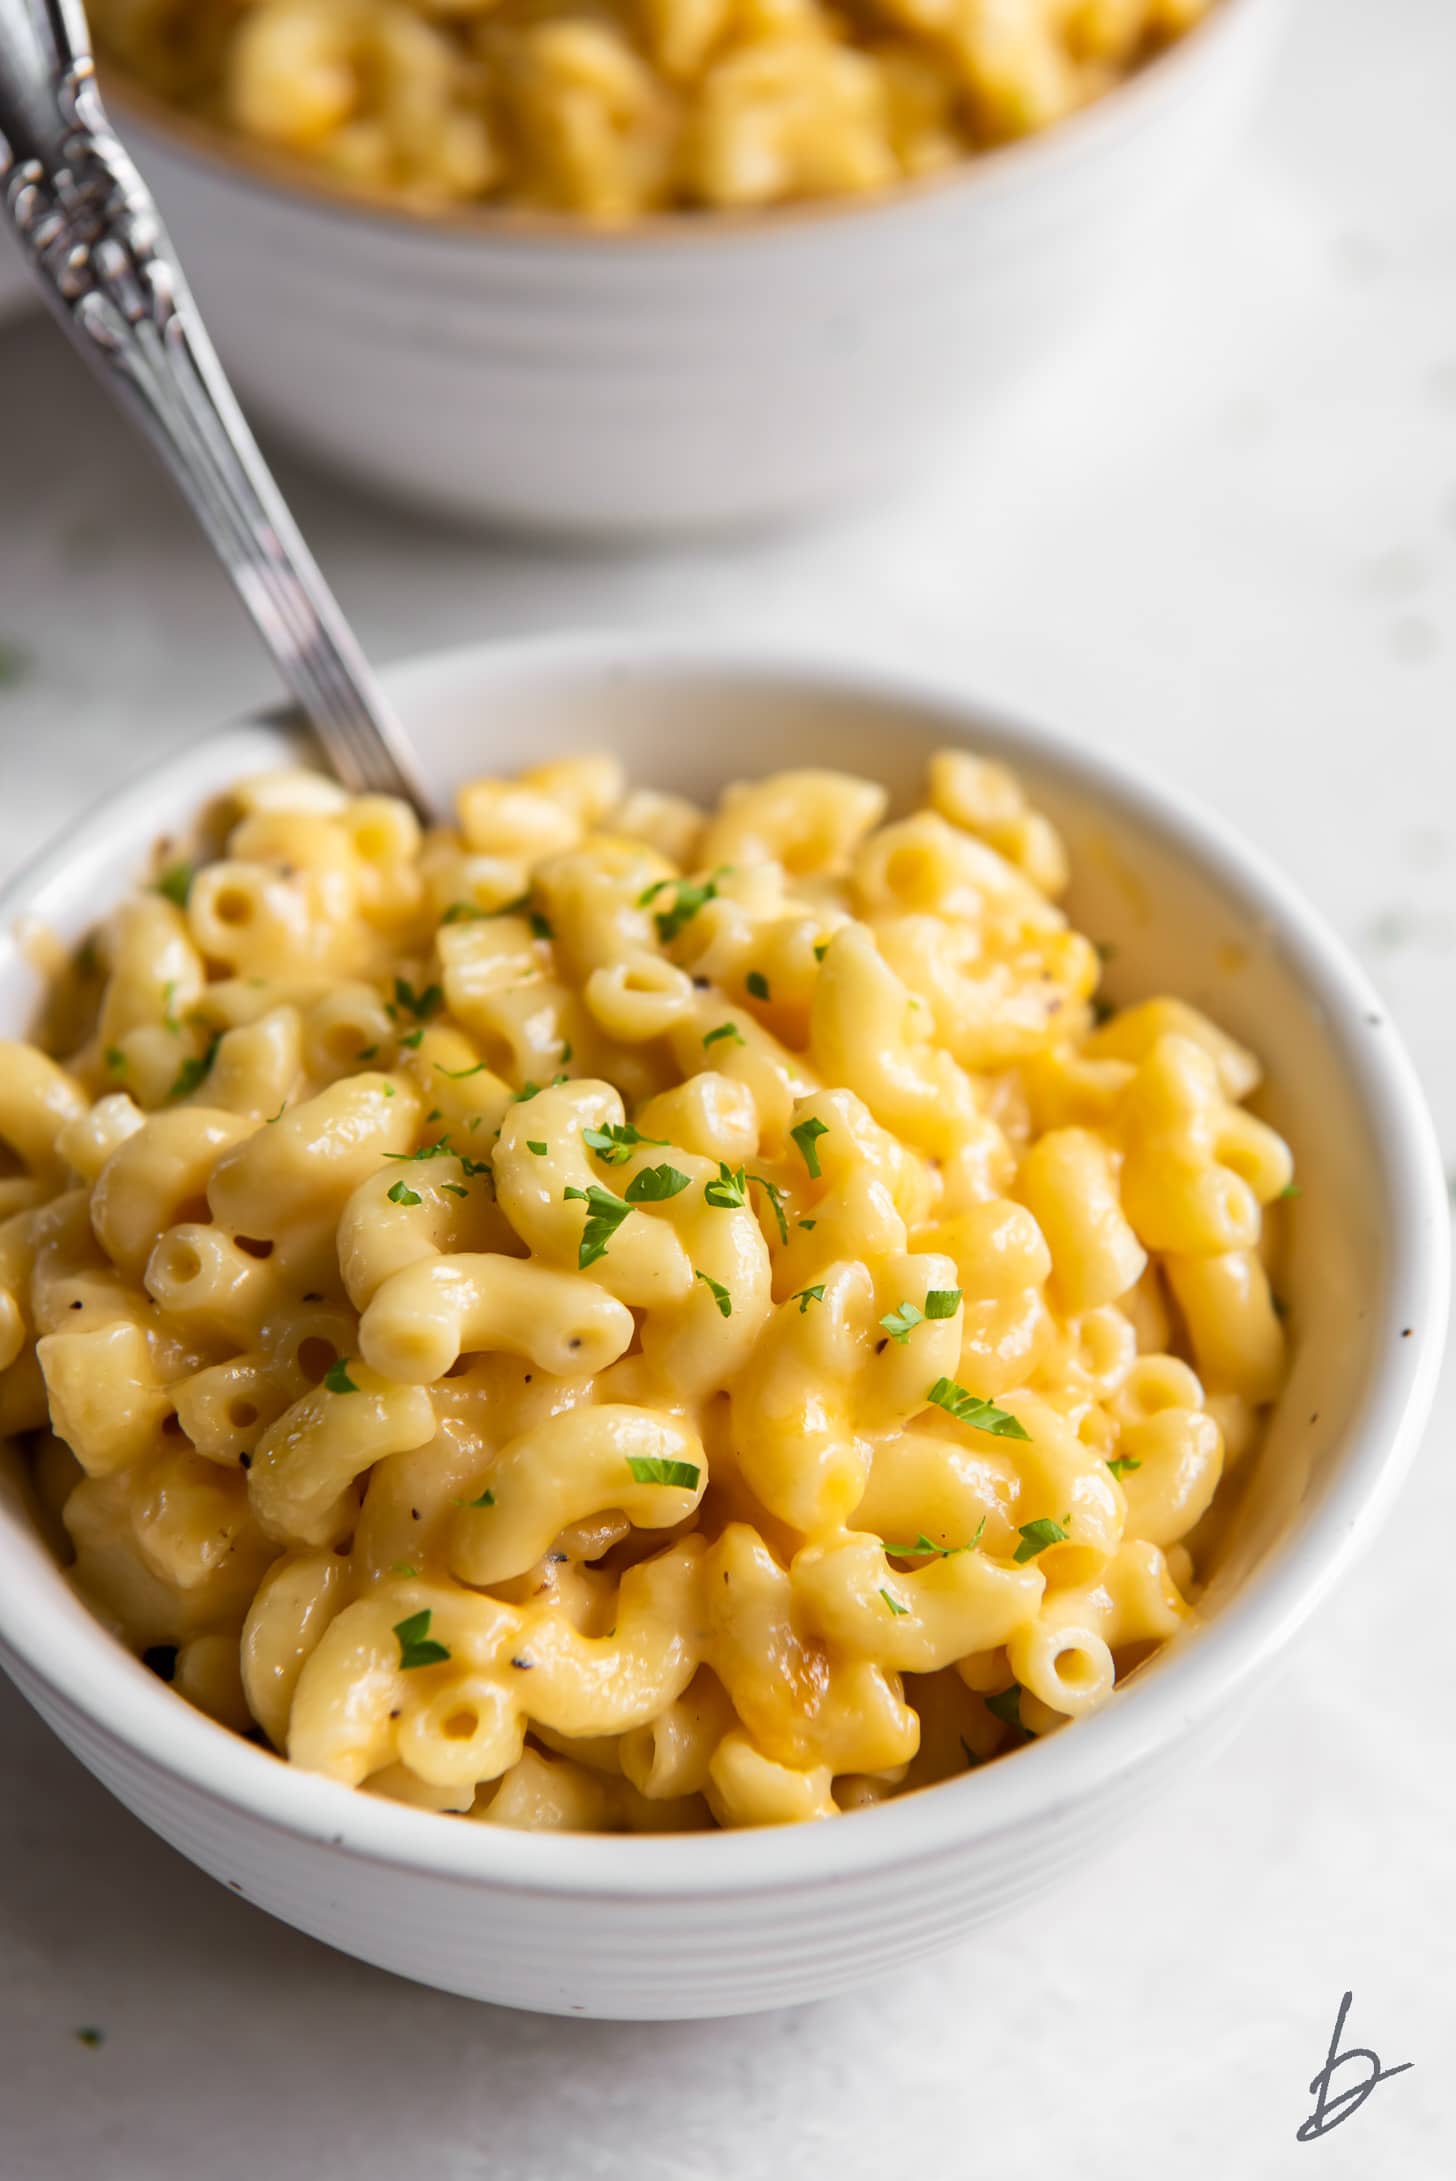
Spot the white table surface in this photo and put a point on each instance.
(1221, 538)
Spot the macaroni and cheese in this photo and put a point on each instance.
(616, 109)
(615, 1315)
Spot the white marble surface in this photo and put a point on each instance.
(1220, 537)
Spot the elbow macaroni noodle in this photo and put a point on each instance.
(619, 110)
(616, 1316)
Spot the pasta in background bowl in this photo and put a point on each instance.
(913, 1450)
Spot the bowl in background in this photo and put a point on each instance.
(715, 1923)
(691, 370)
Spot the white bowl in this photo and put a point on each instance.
(719, 1923)
(693, 371)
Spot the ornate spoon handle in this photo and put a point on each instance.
(105, 263)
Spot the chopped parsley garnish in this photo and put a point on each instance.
(725, 1029)
(422, 1005)
(458, 1075)
(969, 1408)
(808, 1225)
(689, 898)
(718, 1292)
(1006, 1706)
(337, 1379)
(942, 1302)
(614, 1144)
(389, 1090)
(403, 1567)
(924, 1546)
(412, 1038)
(439, 1149)
(1124, 1464)
(540, 926)
(1291, 1189)
(91, 2037)
(1102, 1011)
(417, 1647)
(366, 1052)
(484, 1499)
(806, 1136)
(807, 1295)
(401, 1193)
(455, 1188)
(655, 1184)
(775, 1197)
(730, 1191)
(536, 1148)
(465, 912)
(654, 1469)
(567, 1051)
(176, 884)
(821, 948)
(435, 1113)
(893, 1602)
(901, 1323)
(1035, 1538)
(115, 1059)
(756, 984)
(169, 1016)
(605, 1214)
(196, 1070)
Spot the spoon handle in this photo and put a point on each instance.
(94, 241)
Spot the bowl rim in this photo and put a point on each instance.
(78, 1664)
(1132, 101)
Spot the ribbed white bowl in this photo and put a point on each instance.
(713, 1924)
(694, 371)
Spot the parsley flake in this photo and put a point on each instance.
(942, 1302)
(416, 1645)
(1124, 1464)
(337, 1379)
(969, 1408)
(725, 1030)
(540, 926)
(901, 1323)
(538, 1149)
(439, 1149)
(483, 1499)
(422, 1005)
(175, 884)
(688, 899)
(464, 912)
(756, 984)
(924, 1546)
(807, 1295)
(196, 1070)
(821, 948)
(403, 1567)
(1035, 1538)
(1006, 1706)
(1291, 1190)
(401, 1193)
(115, 1059)
(91, 2037)
(806, 1136)
(613, 1144)
(775, 1197)
(605, 1214)
(730, 1190)
(655, 1184)
(893, 1602)
(654, 1469)
(455, 1188)
(412, 1038)
(718, 1292)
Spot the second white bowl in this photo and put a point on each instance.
(693, 371)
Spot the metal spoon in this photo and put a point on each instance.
(105, 263)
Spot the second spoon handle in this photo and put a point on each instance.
(95, 241)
